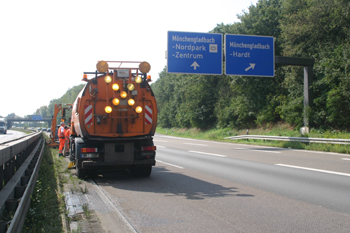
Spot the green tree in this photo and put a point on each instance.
(42, 111)
(320, 29)
(302, 28)
(250, 99)
(67, 98)
(12, 115)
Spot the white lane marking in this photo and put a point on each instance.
(180, 138)
(109, 204)
(160, 146)
(322, 152)
(230, 143)
(345, 159)
(159, 140)
(169, 164)
(313, 169)
(194, 144)
(214, 142)
(269, 151)
(198, 152)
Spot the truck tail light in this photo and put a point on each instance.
(148, 148)
(88, 150)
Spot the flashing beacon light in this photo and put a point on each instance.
(84, 78)
(131, 87)
(138, 79)
(115, 87)
(108, 109)
(131, 102)
(108, 79)
(115, 101)
(138, 109)
(149, 78)
(123, 94)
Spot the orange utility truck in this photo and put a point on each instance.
(113, 120)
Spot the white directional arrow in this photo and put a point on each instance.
(252, 65)
(195, 65)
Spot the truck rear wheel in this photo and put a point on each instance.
(141, 171)
(81, 173)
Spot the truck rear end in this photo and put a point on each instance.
(3, 126)
(114, 119)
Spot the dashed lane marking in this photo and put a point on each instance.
(173, 165)
(313, 169)
(199, 152)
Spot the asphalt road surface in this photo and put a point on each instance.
(205, 186)
(11, 134)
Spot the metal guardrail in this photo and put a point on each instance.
(292, 139)
(19, 166)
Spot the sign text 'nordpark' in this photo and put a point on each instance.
(194, 53)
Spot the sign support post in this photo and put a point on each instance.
(308, 64)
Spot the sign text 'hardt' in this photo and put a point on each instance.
(194, 53)
(248, 55)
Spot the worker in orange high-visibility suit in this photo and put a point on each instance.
(61, 135)
(66, 143)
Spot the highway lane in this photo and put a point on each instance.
(204, 186)
(264, 154)
(11, 134)
(318, 178)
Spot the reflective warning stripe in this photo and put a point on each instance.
(148, 114)
(88, 114)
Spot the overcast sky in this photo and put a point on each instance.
(45, 46)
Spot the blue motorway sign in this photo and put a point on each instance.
(37, 117)
(249, 55)
(194, 53)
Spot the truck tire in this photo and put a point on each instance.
(81, 173)
(92, 173)
(141, 171)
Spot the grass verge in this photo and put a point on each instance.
(47, 211)
(47, 204)
(278, 130)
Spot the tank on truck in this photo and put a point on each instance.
(114, 118)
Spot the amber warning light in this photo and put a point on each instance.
(84, 78)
